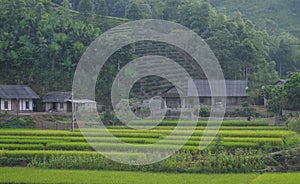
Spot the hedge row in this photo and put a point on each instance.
(22, 132)
(49, 153)
(229, 133)
(205, 161)
(21, 146)
(40, 139)
(107, 147)
(194, 140)
(203, 127)
(201, 123)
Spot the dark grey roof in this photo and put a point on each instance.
(17, 92)
(234, 88)
(57, 97)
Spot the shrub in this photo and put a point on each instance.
(239, 160)
(109, 118)
(18, 123)
(245, 104)
(12, 162)
(243, 112)
(294, 123)
(21, 146)
(203, 111)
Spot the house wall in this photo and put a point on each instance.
(235, 100)
(2, 102)
(59, 108)
(191, 102)
(194, 102)
(22, 105)
(17, 105)
(62, 108)
(173, 103)
(89, 107)
(48, 106)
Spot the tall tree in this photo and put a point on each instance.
(101, 7)
(287, 54)
(170, 10)
(133, 11)
(292, 88)
(196, 15)
(117, 7)
(85, 6)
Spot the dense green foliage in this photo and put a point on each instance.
(18, 123)
(294, 123)
(292, 89)
(286, 96)
(274, 15)
(237, 161)
(40, 44)
(280, 19)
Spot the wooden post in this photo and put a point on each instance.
(73, 113)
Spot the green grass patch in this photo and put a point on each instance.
(32, 175)
(293, 140)
(272, 178)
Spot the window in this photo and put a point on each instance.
(61, 105)
(5, 104)
(201, 100)
(27, 104)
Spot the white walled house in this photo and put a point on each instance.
(17, 98)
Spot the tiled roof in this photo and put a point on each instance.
(57, 97)
(17, 92)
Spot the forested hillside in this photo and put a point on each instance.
(280, 18)
(273, 15)
(41, 41)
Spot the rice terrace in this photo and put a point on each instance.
(240, 147)
(150, 91)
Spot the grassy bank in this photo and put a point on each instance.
(32, 175)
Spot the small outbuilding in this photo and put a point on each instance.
(57, 102)
(62, 102)
(280, 82)
(17, 98)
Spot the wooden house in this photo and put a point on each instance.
(236, 93)
(17, 98)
